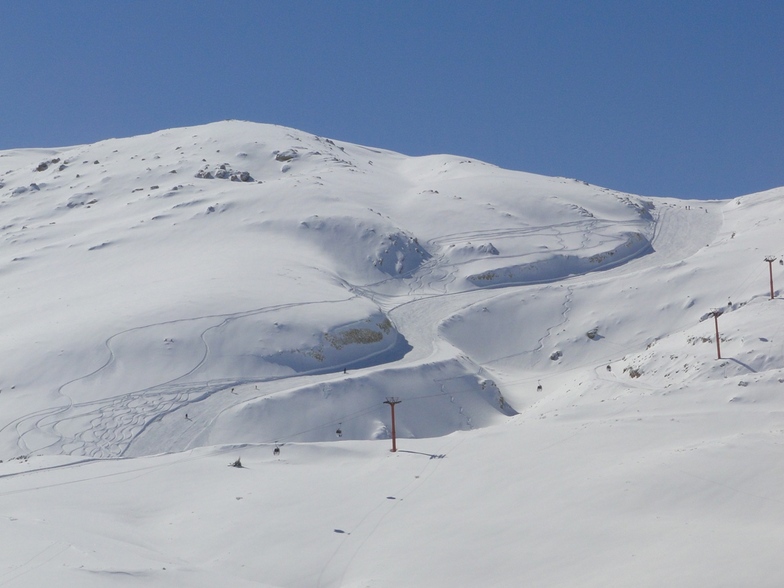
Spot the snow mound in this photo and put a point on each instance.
(365, 245)
(436, 399)
(560, 266)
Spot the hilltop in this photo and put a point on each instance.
(177, 300)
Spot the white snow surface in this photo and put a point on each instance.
(177, 301)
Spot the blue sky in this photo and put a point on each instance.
(665, 98)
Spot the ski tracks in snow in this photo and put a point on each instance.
(41, 558)
(106, 427)
(356, 537)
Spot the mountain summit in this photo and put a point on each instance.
(566, 415)
(150, 276)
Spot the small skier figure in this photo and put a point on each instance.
(276, 451)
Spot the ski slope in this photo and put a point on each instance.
(179, 300)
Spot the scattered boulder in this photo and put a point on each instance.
(286, 155)
(632, 371)
(44, 165)
(488, 248)
(224, 172)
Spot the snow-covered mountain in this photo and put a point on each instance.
(185, 298)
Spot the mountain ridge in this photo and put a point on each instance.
(251, 295)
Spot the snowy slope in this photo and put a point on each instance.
(178, 300)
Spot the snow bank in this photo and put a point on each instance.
(437, 399)
(559, 266)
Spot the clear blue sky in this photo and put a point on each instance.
(666, 98)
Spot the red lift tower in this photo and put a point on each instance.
(770, 259)
(716, 313)
(392, 401)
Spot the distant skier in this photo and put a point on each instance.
(276, 451)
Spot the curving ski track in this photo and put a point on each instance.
(107, 428)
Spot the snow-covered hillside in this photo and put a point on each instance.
(175, 301)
